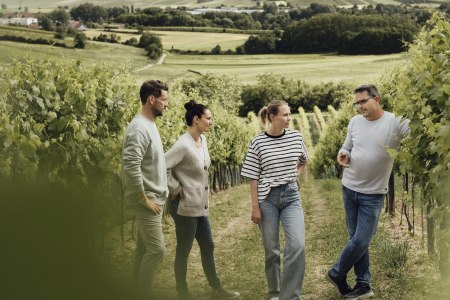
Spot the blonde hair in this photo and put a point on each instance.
(271, 108)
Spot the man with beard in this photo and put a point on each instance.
(144, 182)
(367, 167)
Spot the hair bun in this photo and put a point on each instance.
(190, 105)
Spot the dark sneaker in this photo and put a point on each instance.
(221, 293)
(185, 295)
(340, 284)
(359, 292)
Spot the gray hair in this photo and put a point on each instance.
(369, 88)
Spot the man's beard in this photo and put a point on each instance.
(156, 112)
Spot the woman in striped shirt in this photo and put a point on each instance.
(273, 162)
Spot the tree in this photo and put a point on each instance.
(4, 6)
(89, 12)
(80, 40)
(260, 44)
(152, 45)
(45, 22)
(59, 15)
(153, 51)
(60, 32)
(270, 8)
(148, 39)
(216, 50)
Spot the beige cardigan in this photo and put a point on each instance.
(190, 174)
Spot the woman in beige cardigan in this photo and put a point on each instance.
(188, 161)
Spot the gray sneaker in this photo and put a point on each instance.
(360, 291)
(221, 293)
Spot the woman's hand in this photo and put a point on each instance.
(256, 214)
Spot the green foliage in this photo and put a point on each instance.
(229, 137)
(152, 45)
(63, 119)
(216, 50)
(306, 132)
(324, 163)
(80, 40)
(373, 34)
(260, 44)
(45, 22)
(420, 91)
(112, 38)
(295, 92)
(393, 257)
(320, 119)
(90, 12)
(59, 16)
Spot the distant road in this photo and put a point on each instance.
(159, 62)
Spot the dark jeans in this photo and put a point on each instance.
(188, 228)
(362, 212)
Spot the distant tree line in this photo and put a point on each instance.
(269, 18)
(317, 28)
(348, 34)
(296, 92)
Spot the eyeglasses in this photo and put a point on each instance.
(362, 101)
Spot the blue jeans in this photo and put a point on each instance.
(188, 228)
(362, 212)
(283, 204)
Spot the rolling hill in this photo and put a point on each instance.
(34, 5)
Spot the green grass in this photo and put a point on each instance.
(185, 40)
(312, 68)
(96, 53)
(240, 258)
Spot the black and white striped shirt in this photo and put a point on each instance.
(273, 160)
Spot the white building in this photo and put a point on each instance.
(18, 21)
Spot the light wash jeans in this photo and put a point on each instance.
(150, 248)
(362, 212)
(283, 204)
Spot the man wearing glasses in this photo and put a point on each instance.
(144, 182)
(367, 167)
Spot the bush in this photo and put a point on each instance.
(216, 50)
(61, 119)
(80, 40)
(296, 93)
(153, 51)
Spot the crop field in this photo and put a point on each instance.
(185, 40)
(312, 68)
(96, 53)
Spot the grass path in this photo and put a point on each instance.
(240, 257)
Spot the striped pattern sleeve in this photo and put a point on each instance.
(252, 166)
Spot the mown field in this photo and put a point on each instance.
(183, 40)
(312, 68)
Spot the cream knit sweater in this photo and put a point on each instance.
(190, 174)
